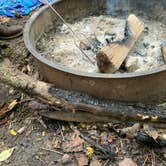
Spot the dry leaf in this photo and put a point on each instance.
(89, 151)
(4, 155)
(154, 134)
(151, 132)
(8, 108)
(127, 162)
(12, 105)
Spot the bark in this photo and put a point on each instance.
(63, 110)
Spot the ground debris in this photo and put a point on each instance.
(73, 143)
(7, 108)
(95, 162)
(82, 159)
(34, 105)
(127, 162)
(150, 140)
(130, 132)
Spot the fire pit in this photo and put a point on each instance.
(141, 86)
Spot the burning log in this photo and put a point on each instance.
(111, 57)
(163, 49)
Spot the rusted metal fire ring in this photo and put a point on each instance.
(144, 87)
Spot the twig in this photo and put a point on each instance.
(61, 131)
(97, 146)
(145, 160)
(106, 163)
(153, 158)
(55, 151)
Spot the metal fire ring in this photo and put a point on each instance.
(143, 87)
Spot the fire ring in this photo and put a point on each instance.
(143, 87)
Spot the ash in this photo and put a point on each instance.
(59, 45)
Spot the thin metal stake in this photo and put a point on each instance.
(74, 35)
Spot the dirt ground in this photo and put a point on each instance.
(38, 141)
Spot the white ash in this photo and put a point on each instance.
(60, 47)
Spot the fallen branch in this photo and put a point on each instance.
(63, 110)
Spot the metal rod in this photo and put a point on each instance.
(74, 34)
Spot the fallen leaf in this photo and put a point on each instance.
(154, 134)
(89, 151)
(95, 163)
(12, 105)
(127, 162)
(4, 155)
(13, 132)
(150, 131)
(7, 108)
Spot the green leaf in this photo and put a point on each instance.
(4, 155)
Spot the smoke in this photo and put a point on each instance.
(117, 5)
